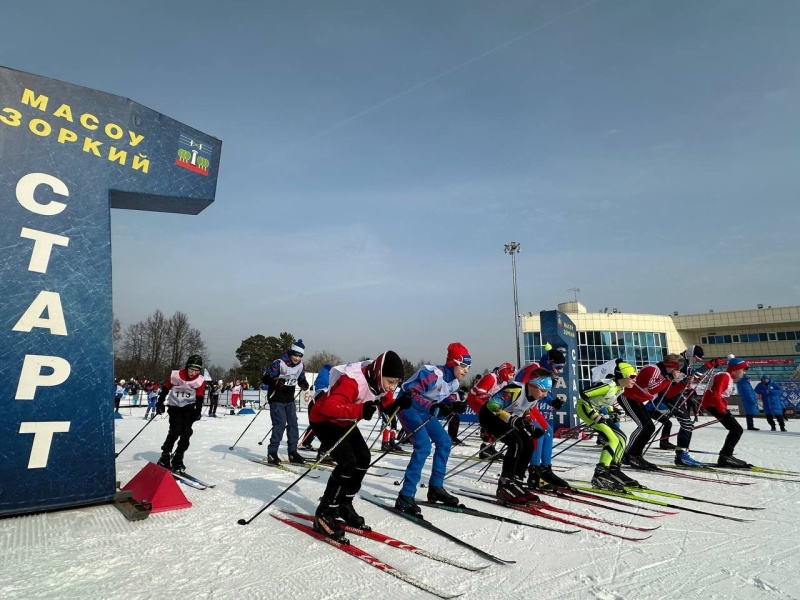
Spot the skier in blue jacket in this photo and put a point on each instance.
(771, 397)
(749, 401)
(431, 388)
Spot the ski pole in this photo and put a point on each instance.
(296, 481)
(497, 454)
(265, 437)
(685, 396)
(253, 420)
(134, 437)
(714, 422)
(567, 448)
(452, 472)
(567, 435)
(386, 423)
(371, 431)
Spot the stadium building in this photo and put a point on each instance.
(768, 338)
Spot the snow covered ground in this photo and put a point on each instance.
(202, 552)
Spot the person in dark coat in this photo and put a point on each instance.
(770, 394)
(749, 401)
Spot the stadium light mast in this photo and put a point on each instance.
(512, 248)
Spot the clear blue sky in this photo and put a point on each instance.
(378, 155)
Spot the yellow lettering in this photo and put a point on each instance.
(31, 99)
(64, 111)
(90, 145)
(15, 115)
(89, 121)
(135, 138)
(39, 127)
(65, 135)
(141, 163)
(113, 131)
(117, 155)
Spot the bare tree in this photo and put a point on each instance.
(314, 363)
(153, 347)
(181, 340)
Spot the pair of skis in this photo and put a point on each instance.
(461, 509)
(368, 558)
(191, 481)
(545, 510)
(280, 467)
(634, 494)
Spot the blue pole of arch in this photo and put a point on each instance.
(69, 154)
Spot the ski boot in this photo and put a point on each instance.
(177, 463)
(487, 451)
(296, 459)
(617, 473)
(349, 515)
(546, 474)
(325, 521)
(164, 460)
(327, 460)
(535, 480)
(683, 458)
(603, 479)
(530, 495)
(308, 447)
(509, 491)
(408, 505)
(732, 462)
(390, 446)
(273, 459)
(639, 463)
(666, 445)
(441, 495)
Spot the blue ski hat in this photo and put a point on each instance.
(543, 383)
(298, 348)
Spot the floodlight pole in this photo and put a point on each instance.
(512, 248)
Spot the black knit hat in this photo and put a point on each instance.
(388, 364)
(392, 365)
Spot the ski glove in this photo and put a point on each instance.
(160, 408)
(557, 403)
(521, 424)
(369, 409)
(304, 386)
(440, 406)
(459, 407)
(403, 401)
(537, 433)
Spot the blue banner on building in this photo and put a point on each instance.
(69, 154)
(559, 331)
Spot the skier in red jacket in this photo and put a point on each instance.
(714, 402)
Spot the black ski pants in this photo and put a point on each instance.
(732, 425)
(352, 458)
(519, 445)
(180, 428)
(644, 426)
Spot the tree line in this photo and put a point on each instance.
(155, 346)
(158, 344)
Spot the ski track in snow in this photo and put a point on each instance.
(203, 553)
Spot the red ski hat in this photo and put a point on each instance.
(458, 353)
(505, 372)
(735, 364)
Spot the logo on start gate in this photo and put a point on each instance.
(193, 156)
